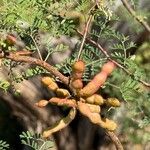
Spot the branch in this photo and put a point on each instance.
(39, 53)
(84, 36)
(27, 59)
(109, 58)
(133, 13)
(115, 139)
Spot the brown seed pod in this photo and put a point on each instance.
(63, 102)
(78, 66)
(77, 84)
(114, 102)
(95, 99)
(93, 86)
(108, 124)
(59, 125)
(94, 108)
(85, 110)
(11, 39)
(108, 67)
(62, 93)
(77, 69)
(42, 103)
(48, 81)
(77, 75)
(96, 118)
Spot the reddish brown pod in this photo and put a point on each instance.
(108, 67)
(77, 72)
(11, 39)
(77, 84)
(94, 85)
(98, 80)
(77, 69)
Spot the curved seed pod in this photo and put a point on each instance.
(53, 87)
(114, 102)
(95, 99)
(94, 108)
(108, 67)
(60, 124)
(93, 86)
(62, 93)
(85, 110)
(108, 124)
(77, 84)
(96, 118)
(48, 81)
(42, 103)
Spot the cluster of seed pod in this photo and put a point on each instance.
(84, 98)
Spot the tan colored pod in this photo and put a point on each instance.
(94, 108)
(98, 99)
(96, 118)
(42, 103)
(108, 67)
(94, 85)
(77, 69)
(63, 102)
(95, 99)
(108, 124)
(53, 86)
(78, 66)
(114, 102)
(62, 93)
(48, 81)
(86, 111)
(77, 75)
(77, 84)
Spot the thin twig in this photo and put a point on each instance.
(115, 139)
(109, 58)
(133, 13)
(84, 36)
(39, 53)
(31, 60)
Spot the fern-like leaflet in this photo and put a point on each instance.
(129, 89)
(3, 145)
(35, 141)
